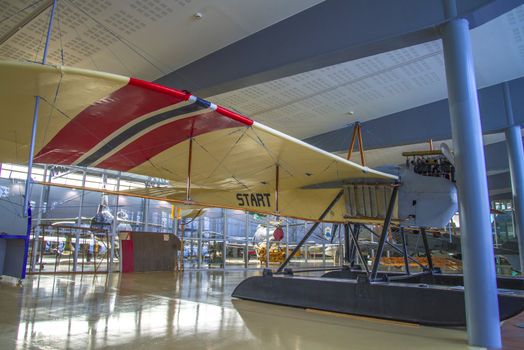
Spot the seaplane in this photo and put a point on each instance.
(215, 157)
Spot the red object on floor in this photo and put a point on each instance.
(278, 234)
(127, 256)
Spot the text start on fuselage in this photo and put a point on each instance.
(254, 200)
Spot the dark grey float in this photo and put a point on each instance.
(426, 304)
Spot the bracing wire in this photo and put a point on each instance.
(43, 35)
(120, 61)
(64, 114)
(283, 165)
(90, 56)
(6, 18)
(55, 97)
(59, 13)
(127, 43)
(220, 162)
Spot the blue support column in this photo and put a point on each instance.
(516, 169)
(480, 288)
(27, 188)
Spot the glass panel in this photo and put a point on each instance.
(191, 253)
(56, 249)
(236, 241)
(212, 239)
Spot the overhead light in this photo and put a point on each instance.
(197, 15)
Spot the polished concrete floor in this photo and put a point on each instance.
(191, 310)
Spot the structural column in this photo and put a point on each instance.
(79, 223)
(27, 188)
(114, 227)
(224, 236)
(482, 315)
(199, 247)
(516, 169)
(146, 215)
(36, 233)
(246, 237)
(267, 244)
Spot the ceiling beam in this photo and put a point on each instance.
(499, 181)
(26, 20)
(329, 33)
(430, 121)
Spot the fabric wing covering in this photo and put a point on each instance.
(113, 122)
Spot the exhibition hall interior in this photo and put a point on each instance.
(232, 174)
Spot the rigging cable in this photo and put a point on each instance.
(127, 43)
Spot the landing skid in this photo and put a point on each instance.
(432, 305)
(428, 298)
(440, 279)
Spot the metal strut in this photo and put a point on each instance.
(354, 237)
(357, 135)
(347, 246)
(352, 251)
(405, 249)
(189, 164)
(277, 178)
(27, 189)
(426, 248)
(385, 229)
(308, 234)
(334, 232)
(395, 248)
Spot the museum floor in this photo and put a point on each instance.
(192, 310)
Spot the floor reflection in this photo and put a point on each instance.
(192, 310)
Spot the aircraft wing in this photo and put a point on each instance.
(113, 122)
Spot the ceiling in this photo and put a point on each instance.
(322, 100)
(141, 38)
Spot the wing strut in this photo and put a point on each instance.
(188, 179)
(426, 248)
(277, 176)
(27, 189)
(333, 232)
(385, 229)
(308, 234)
(357, 134)
(405, 249)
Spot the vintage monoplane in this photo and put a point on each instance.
(215, 157)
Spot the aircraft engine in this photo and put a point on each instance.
(426, 201)
(423, 201)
